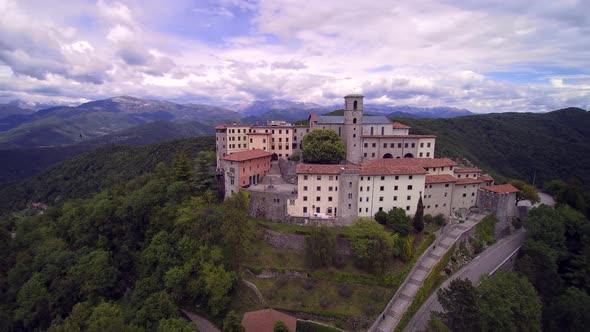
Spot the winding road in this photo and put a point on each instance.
(486, 262)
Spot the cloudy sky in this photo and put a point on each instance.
(486, 56)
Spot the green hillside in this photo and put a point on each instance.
(516, 145)
(95, 170)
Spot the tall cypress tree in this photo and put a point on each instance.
(419, 216)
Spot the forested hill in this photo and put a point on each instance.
(95, 170)
(555, 145)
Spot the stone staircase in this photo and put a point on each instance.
(274, 175)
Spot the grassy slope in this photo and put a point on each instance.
(514, 145)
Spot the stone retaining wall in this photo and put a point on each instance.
(297, 242)
(288, 170)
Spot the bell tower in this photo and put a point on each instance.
(353, 121)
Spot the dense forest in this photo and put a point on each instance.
(539, 146)
(124, 258)
(95, 170)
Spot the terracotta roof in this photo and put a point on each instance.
(467, 170)
(422, 162)
(322, 168)
(313, 117)
(486, 178)
(263, 320)
(221, 126)
(247, 155)
(398, 125)
(399, 136)
(469, 181)
(442, 178)
(501, 188)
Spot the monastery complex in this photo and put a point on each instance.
(385, 167)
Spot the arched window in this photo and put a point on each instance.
(354, 120)
(354, 105)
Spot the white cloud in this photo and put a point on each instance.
(423, 53)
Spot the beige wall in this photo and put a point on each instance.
(260, 142)
(386, 192)
(425, 148)
(308, 194)
(464, 196)
(237, 138)
(438, 198)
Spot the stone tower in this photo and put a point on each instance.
(353, 121)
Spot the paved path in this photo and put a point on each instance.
(202, 323)
(402, 299)
(487, 262)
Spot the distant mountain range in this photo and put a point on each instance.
(28, 125)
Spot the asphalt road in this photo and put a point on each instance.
(486, 262)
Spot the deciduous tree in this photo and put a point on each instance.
(322, 146)
(459, 302)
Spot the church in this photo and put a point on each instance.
(386, 167)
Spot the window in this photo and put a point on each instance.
(395, 198)
(304, 188)
(410, 187)
(350, 196)
(368, 188)
(365, 155)
(354, 105)
(399, 145)
(406, 145)
(407, 208)
(427, 154)
(360, 199)
(410, 177)
(397, 178)
(349, 206)
(305, 177)
(381, 199)
(366, 145)
(382, 178)
(445, 194)
(472, 194)
(394, 187)
(373, 154)
(464, 195)
(330, 177)
(349, 184)
(354, 120)
(384, 145)
(318, 188)
(305, 209)
(318, 198)
(367, 199)
(317, 209)
(361, 188)
(427, 144)
(413, 145)
(305, 198)
(382, 188)
(366, 209)
(319, 177)
(330, 188)
(380, 208)
(392, 145)
(421, 145)
(329, 198)
(374, 145)
(409, 198)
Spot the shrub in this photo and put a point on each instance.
(324, 301)
(439, 219)
(428, 218)
(517, 223)
(309, 283)
(282, 282)
(345, 291)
